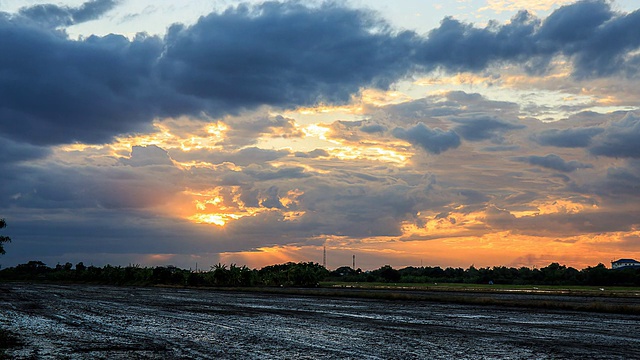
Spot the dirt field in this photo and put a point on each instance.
(101, 322)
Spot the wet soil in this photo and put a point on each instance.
(104, 322)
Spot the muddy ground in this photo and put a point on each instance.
(103, 322)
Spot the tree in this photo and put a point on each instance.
(3, 239)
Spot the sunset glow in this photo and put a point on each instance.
(475, 133)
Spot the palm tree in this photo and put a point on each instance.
(220, 275)
(3, 239)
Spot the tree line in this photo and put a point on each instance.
(303, 274)
(553, 274)
(309, 274)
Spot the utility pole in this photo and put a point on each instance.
(354, 262)
(324, 257)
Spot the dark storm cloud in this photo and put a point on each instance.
(53, 15)
(433, 141)
(484, 128)
(53, 90)
(601, 39)
(462, 47)
(620, 139)
(11, 151)
(555, 162)
(595, 37)
(283, 54)
(56, 90)
(568, 138)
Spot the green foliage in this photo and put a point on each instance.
(3, 239)
(293, 274)
(309, 274)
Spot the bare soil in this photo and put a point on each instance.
(104, 322)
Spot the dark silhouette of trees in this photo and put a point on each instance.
(311, 274)
(293, 274)
(3, 239)
(388, 274)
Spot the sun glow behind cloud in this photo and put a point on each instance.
(465, 153)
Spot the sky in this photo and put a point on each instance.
(409, 133)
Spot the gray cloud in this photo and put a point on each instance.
(617, 186)
(54, 16)
(562, 224)
(278, 54)
(434, 141)
(555, 162)
(373, 128)
(484, 128)
(620, 139)
(148, 155)
(244, 132)
(296, 55)
(595, 37)
(312, 154)
(242, 157)
(11, 151)
(568, 138)
(58, 186)
(287, 54)
(61, 91)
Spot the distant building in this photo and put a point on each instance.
(624, 263)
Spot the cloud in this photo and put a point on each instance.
(555, 162)
(312, 154)
(373, 128)
(243, 131)
(261, 174)
(11, 151)
(148, 155)
(596, 39)
(620, 139)
(484, 128)
(62, 91)
(242, 157)
(457, 46)
(285, 55)
(515, 5)
(618, 185)
(433, 141)
(54, 16)
(297, 55)
(52, 185)
(208, 95)
(562, 224)
(567, 138)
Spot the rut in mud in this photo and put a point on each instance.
(103, 322)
